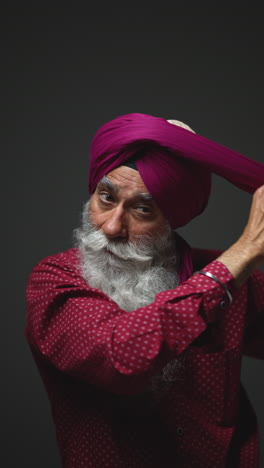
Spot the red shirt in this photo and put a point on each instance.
(155, 387)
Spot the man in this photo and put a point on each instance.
(137, 336)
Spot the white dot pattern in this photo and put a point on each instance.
(97, 362)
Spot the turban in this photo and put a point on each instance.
(174, 163)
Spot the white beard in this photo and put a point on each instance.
(131, 274)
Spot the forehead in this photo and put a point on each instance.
(126, 178)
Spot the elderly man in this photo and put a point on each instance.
(138, 337)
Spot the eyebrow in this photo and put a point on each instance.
(144, 196)
(106, 183)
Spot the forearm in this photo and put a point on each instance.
(241, 259)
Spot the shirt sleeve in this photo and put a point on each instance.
(254, 335)
(82, 332)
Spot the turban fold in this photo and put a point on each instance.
(174, 163)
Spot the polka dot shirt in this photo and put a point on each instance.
(155, 387)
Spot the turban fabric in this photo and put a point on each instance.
(174, 163)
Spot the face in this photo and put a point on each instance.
(123, 208)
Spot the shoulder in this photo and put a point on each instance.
(69, 257)
(63, 266)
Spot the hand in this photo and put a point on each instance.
(247, 254)
(252, 238)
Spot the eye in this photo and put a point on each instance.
(144, 209)
(106, 197)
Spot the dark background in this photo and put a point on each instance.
(65, 73)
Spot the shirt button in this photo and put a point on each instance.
(180, 431)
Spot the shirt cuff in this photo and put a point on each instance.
(215, 298)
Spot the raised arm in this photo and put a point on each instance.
(247, 254)
(242, 259)
(82, 332)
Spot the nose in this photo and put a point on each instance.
(115, 225)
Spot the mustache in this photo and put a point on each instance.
(141, 250)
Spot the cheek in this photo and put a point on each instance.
(156, 228)
(94, 213)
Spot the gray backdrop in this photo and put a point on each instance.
(65, 73)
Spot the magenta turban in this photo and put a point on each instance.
(174, 163)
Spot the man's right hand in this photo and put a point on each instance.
(247, 254)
